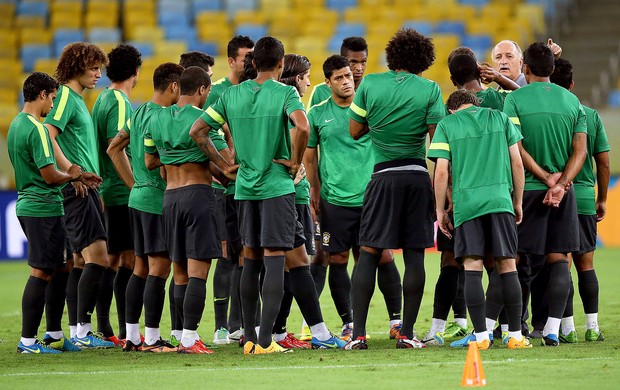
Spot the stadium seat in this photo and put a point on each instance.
(46, 65)
(344, 30)
(250, 17)
(340, 5)
(272, 5)
(30, 53)
(145, 48)
(69, 19)
(171, 49)
(8, 112)
(63, 37)
(477, 3)
(11, 73)
(480, 44)
(28, 21)
(180, 33)
(360, 15)
(33, 8)
(206, 18)
(232, 6)
(100, 34)
(254, 31)
(450, 27)
(175, 18)
(423, 28)
(146, 34)
(206, 5)
(35, 36)
(210, 48)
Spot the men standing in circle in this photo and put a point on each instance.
(398, 109)
(40, 212)
(111, 111)
(75, 142)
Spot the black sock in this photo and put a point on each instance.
(179, 302)
(88, 291)
(340, 287)
(33, 303)
(474, 296)
(319, 274)
(413, 288)
(235, 318)
(272, 292)
(388, 280)
(221, 292)
(249, 297)
(172, 305)
(513, 301)
(445, 291)
(285, 307)
(104, 301)
(134, 299)
(568, 310)
(120, 288)
(559, 280)
(194, 303)
(362, 287)
(154, 298)
(55, 295)
(72, 294)
(494, 300)
(307, 298)
(588, 290)
(459, 307)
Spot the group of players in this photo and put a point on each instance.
(238, 171)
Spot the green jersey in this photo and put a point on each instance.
(302, 192)
(168, 135)
(77, 138)
(257, 115)
(585, 179)
(216, 90)
(147, 194)
(345, 165)
(478, 188)
(111, 111)
(548, 116)
(398, 107)
(491, 98)
(319, 93)
(30, 149)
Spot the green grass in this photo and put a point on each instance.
(583, 365)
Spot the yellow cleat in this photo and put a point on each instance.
(484, 344)
(248, 348)
(273, 348)
(514, 343)
(305, 335)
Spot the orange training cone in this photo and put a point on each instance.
(473, 375)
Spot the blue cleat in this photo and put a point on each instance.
(550, 340)
(464, 342)
(333, 342)
(61, 344)
(93, 341)
(38, 348)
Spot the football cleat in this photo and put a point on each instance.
(484, 344)
(454, 330)
(594, 335)
(434, 339)
(160, 346)
(221, 336)
(61, 344)
(197, 348)
(305, 334)
(395, 331)
(290, 341)
(333, 342)
(248, 348)
(272, 348)
(570, 338)
(550, 340)
(236, 335)
(131, 347)
(358, 343)
(118, 342)
(464, 342)
(93, 341)
(514, 343)
(405, 342)
(347, 332)
(505, 337)
(174, 341)
(38, 347)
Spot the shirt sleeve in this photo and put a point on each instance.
(215, 114)
(117, 116)
(293, 102)
(581, 126)
(357, 110)
(512, 134)
(149, 144)
(218, 139)
(62, 112)
(439, 147)
(510, 109)
(601, 143)
(436, 109)
(40, 146)
(314, 138)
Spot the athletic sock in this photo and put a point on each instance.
(151, 335)
(552, 326)
(88, 290)
(558, 289)
(57, 335)
(134, 299)
(494, 299)
(179, 301)
(445, 292)
(55, 295)
(482, 335)
(459, 307)
(83, 329)
(461, 321)
(474, 296)
(320, 331)
(513, 302)
(568, 310)
(72, 295)
(104, 301)
(340, 287)
(249, 290)
(72, 331)
(279, 327)
(319, 274)
(120, 289)
(413, 289)
(194, 303)
(172, 306)
(234, 316)
(567, 325)
(592, 321)
(189, 337)
(154, 298)
(490, 324)
(388, 280)
(277, 337)
(437, 325)
(272, 293)
(306, 297)
(221, 292)
(588, 290)
(133, 332)
(33, 304)
(362, 288)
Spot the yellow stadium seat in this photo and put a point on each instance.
(145, 33)
(27, 21)
(250, 17)
(300, 4)
(90, 96)
(35, 35)
(390, 15)
(7, 9)
(286, 28)
(360, 15)
(375, 4)
(46, 65)
(172, 49)
(484, 26)
(106, 46)
(401, 5)
(144, 6)
(430, 12)
(317, 14)
(8, 95)
(133, 19)
(66, 20)
(501, 11)
(458, 12)
(9, 37)
(386, 29)
(205, 18)
(318, 30)
(103, 7)
(270, 5)
(219, 34)
(66, 7)
(534, 13)
(309, 44)
(221, 68)
(8, 112)
(11, 73)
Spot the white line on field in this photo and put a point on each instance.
(274, 368)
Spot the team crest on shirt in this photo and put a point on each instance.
(326, 238)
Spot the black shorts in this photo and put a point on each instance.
(220, 212)
(190, 223)
(445, 244)
(317, 230)
(398, 211)
(232, 224)
(270, 223)
(83, 218)
(547, 229)
(341, 227)
(46, 241)
(490, 234)
(147, 232)
(304, 217)
(587, 234)
(118, 226)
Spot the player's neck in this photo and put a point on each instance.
(233, 78)
(266, 75)
(342, 102)
(536, 79)
(193, 100)
(357, 83)
(473, 86)
(161, 99)
(32, 108)
(75, 86)
(124, 86)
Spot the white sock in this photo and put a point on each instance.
(72, 331)
(552, 326)
(177, 334)
(279, 337)
(320, 331)
(481, 336)
(490, 325)
(27, 341)
(133, 333)
(504, 327)
(516, 335)
(461, 321)
(151, 335)
(592, 321)
(437, 325)
(394, 323)
(83, 329)
(56, 335)
(568, 325)
(189, 337)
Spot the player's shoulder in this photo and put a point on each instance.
(320, 106)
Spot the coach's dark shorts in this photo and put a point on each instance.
(304, 217)
(398, 211)
(220, 212)
(83, 218)
(118, 227)
(147, 232)
(547, 229)
(270, 223)
(190, 223)
(587, 234)
(341, 227)
(491, 234)
(232, 224)
(46, 241)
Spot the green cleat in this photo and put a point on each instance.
(454, 331)
(570, 338)
(594, 335)
(505, 337)
(174, 341)
(61, 344)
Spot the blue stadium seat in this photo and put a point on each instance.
(206, 5)
(174, 18)
(103, 34)
(350, 30)
(145, 48)
(104, 81)
(450, 27)
(210, 48)
(477, 3)
(180, 33)
(341, 5)
(233, 6)
(173, 5)
(65, 36)
(423, 28)
(334, 45)
(614, 99)
(480, 44)
(254, 31)
(32, 8)
(30, 53)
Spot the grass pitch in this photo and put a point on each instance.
(579, 366)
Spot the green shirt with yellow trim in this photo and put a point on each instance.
(320, 92)
(217, 88)
(30, 149)
(478, 188)
(490, 98)
(548, 116)
(398, 107)
(111, 113)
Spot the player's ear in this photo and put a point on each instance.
(43, 94)
(572, 85)
(231, 62)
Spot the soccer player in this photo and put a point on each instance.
(465, 75)
(590, 209)
(152, 267)
(40, 210)
(397, 108)
(111, 111)
(198, 58)
(485, 212)
(553, 149)
(75, 142)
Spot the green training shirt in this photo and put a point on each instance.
(547, 116)
(320, 92)
(217, 88)
(397, 106)
(258, 117)
(147, 194)
(30, 149)
(77, 138)
(345, 165)
(111, 111)
(490, 98)
(478, 187)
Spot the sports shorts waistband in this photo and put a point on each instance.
(408, 164)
